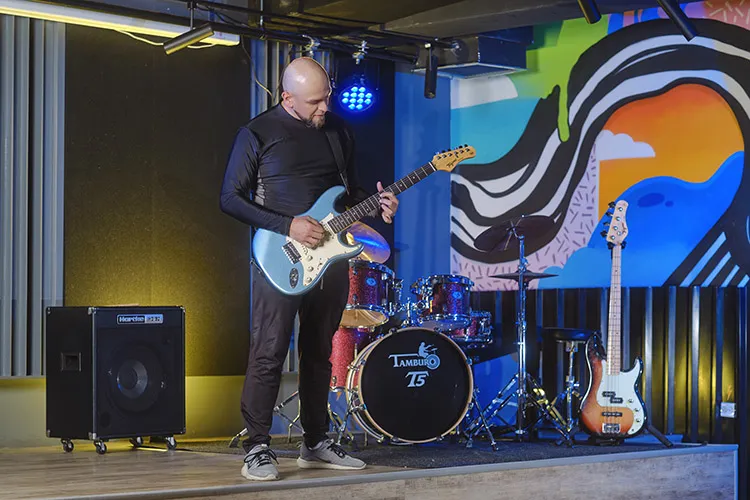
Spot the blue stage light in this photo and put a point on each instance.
(358, 97)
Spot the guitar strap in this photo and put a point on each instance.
(338, 154)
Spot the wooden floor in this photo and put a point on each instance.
(51, 473)
(680, 474)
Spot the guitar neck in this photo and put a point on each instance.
(614, 349)
(366, 207)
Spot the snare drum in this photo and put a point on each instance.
(444, 302)
(477, 334)
(411, 386)
(371, 291)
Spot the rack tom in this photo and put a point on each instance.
(443, 301)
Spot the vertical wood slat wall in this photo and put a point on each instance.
(32, 124)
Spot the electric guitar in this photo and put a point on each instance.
(612, 407)
(293, 269)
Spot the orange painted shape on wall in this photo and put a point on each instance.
(691, 129)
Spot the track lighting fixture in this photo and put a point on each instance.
(195, 35)
(430, 74)
(590, 11)
(675, 13)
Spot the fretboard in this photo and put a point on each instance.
(371, 204)
(614, 349)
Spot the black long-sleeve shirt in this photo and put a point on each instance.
(278, 167)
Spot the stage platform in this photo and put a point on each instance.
(434, 471)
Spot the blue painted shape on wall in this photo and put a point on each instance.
(470, 126)
(664, 225)
(616, 22)
(421, 227)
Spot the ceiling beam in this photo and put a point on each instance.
(469, 17)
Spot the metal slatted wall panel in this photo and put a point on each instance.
(689, 339)
(693, 343)
(32, 113)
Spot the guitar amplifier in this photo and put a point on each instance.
(115, 372)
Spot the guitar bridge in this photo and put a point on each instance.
(608, 428)
(611, 414)
(291, 253)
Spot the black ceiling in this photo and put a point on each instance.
(343, 24)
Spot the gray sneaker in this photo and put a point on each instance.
(258, 464)
(327, 455)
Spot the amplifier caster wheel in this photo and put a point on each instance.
(171, 443)
(101, 447)
(67, 445)
(136, 441)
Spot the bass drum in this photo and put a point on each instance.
(411, 386)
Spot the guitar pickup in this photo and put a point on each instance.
(291, 253)
(611, 414)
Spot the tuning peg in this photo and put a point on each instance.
(606, 223)
(609, 213)
(623, 244)
(611, 204)
(604, 233)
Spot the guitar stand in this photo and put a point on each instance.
(658, 435)
(597, 441)
(616, 442)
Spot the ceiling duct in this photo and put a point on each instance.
(487, 54)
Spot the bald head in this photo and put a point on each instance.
(307, 89)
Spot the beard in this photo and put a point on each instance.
(312, 121)
(316, 121)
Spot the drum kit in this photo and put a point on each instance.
(413, 382)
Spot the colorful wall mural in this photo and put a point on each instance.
(623, 109)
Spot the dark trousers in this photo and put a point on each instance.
(272, 316)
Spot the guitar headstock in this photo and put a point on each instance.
(447, 160)
(618, 226)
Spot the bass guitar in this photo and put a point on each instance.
(293, 268)
(612, 408)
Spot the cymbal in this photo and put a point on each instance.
(528, 275)
(376, 248)
(500, 234)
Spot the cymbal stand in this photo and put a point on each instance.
(523, 380)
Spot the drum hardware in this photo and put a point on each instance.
(571, 389)
(528, 392)
(277, 410)
(483, 421)
(572, 339)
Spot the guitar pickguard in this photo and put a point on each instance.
(314, 260)
(612, 406)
